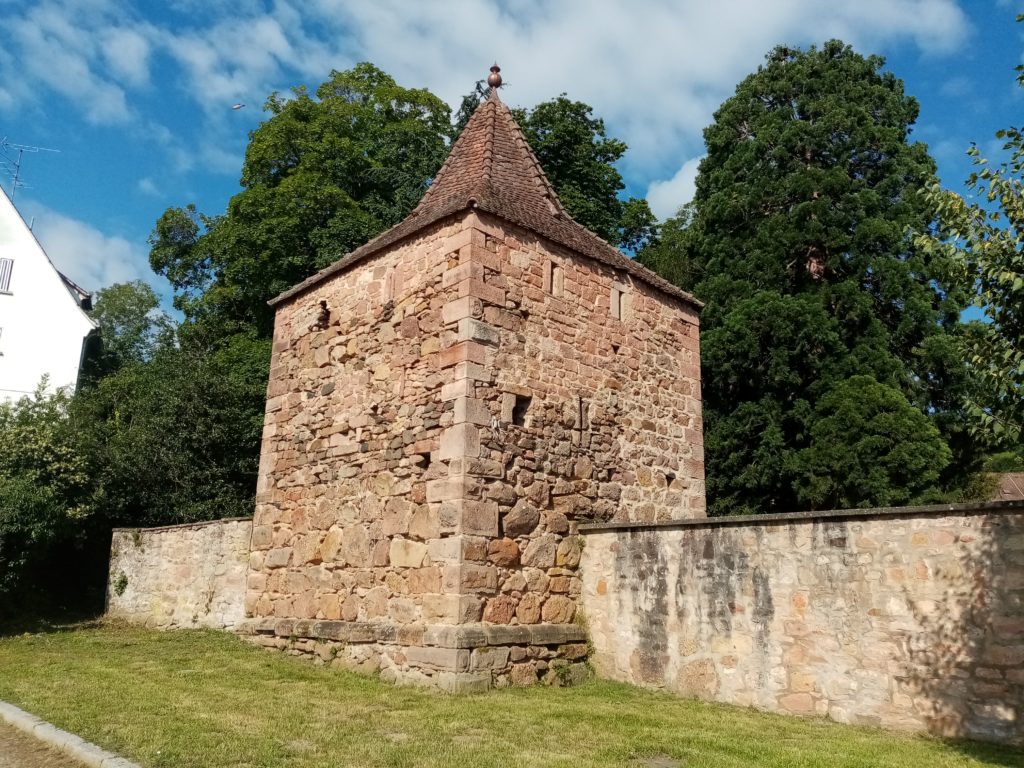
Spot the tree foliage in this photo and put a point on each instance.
(800, 241)
(175, 438)
(131, 326)
(983, 240)
(44, 484)
(322, 176)
(869, 447)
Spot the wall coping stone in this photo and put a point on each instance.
(439, 635)
(182, 526)
(781, 518)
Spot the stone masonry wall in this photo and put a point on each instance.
(368, 526)
(900, 618)
(180, 576)
(354, 417)
(439, 419)
(583, 403)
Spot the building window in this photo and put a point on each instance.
(6, 267)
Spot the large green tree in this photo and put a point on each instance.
(131, 327)
(175, 438)
(800, 240)
(322, 175)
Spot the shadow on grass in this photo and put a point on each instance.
(987, 753)
(48, 622)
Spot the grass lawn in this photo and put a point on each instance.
(193, 698)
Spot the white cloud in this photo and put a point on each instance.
(668, 196)
(91, 258)
(147, 187)
(654, 69)
(126, 52)
(55, 47)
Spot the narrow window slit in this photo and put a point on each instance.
(519, 410)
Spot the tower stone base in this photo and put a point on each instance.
(466, 658)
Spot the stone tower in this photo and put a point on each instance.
(446, 404)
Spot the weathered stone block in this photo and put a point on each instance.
(407, 554)
(475, 330)
(558, 609)
(458, 441)
(425, 523)
(500, 609)
(503, 553)
(448, 659)
(479, 517)
(488, 658)
(463, 352)
(521, 520)
(472, 410)
(540, 552)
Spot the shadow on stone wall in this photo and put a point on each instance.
(965, 671)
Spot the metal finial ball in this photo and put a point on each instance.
(494, 79)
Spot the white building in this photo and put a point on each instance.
(43, 323)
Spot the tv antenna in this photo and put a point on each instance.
(11, 156)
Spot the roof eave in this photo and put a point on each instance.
(382, 241)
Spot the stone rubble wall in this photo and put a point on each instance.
(189, 575)
(611, 428)
(897, 618)
(401, 490)
(343, 527)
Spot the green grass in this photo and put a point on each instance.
(209, 699)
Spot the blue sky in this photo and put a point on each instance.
(137, 96)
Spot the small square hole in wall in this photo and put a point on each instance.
(615, 349)
(522, 405)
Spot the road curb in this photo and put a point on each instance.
(68, 743)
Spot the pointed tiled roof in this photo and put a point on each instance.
(492, 168)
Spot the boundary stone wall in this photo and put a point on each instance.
(907, 618)
(190, 575)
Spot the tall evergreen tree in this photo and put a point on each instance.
(800, 240)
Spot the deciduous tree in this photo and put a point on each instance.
(983, 240)
(322, 175)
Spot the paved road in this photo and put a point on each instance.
(20, 751)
